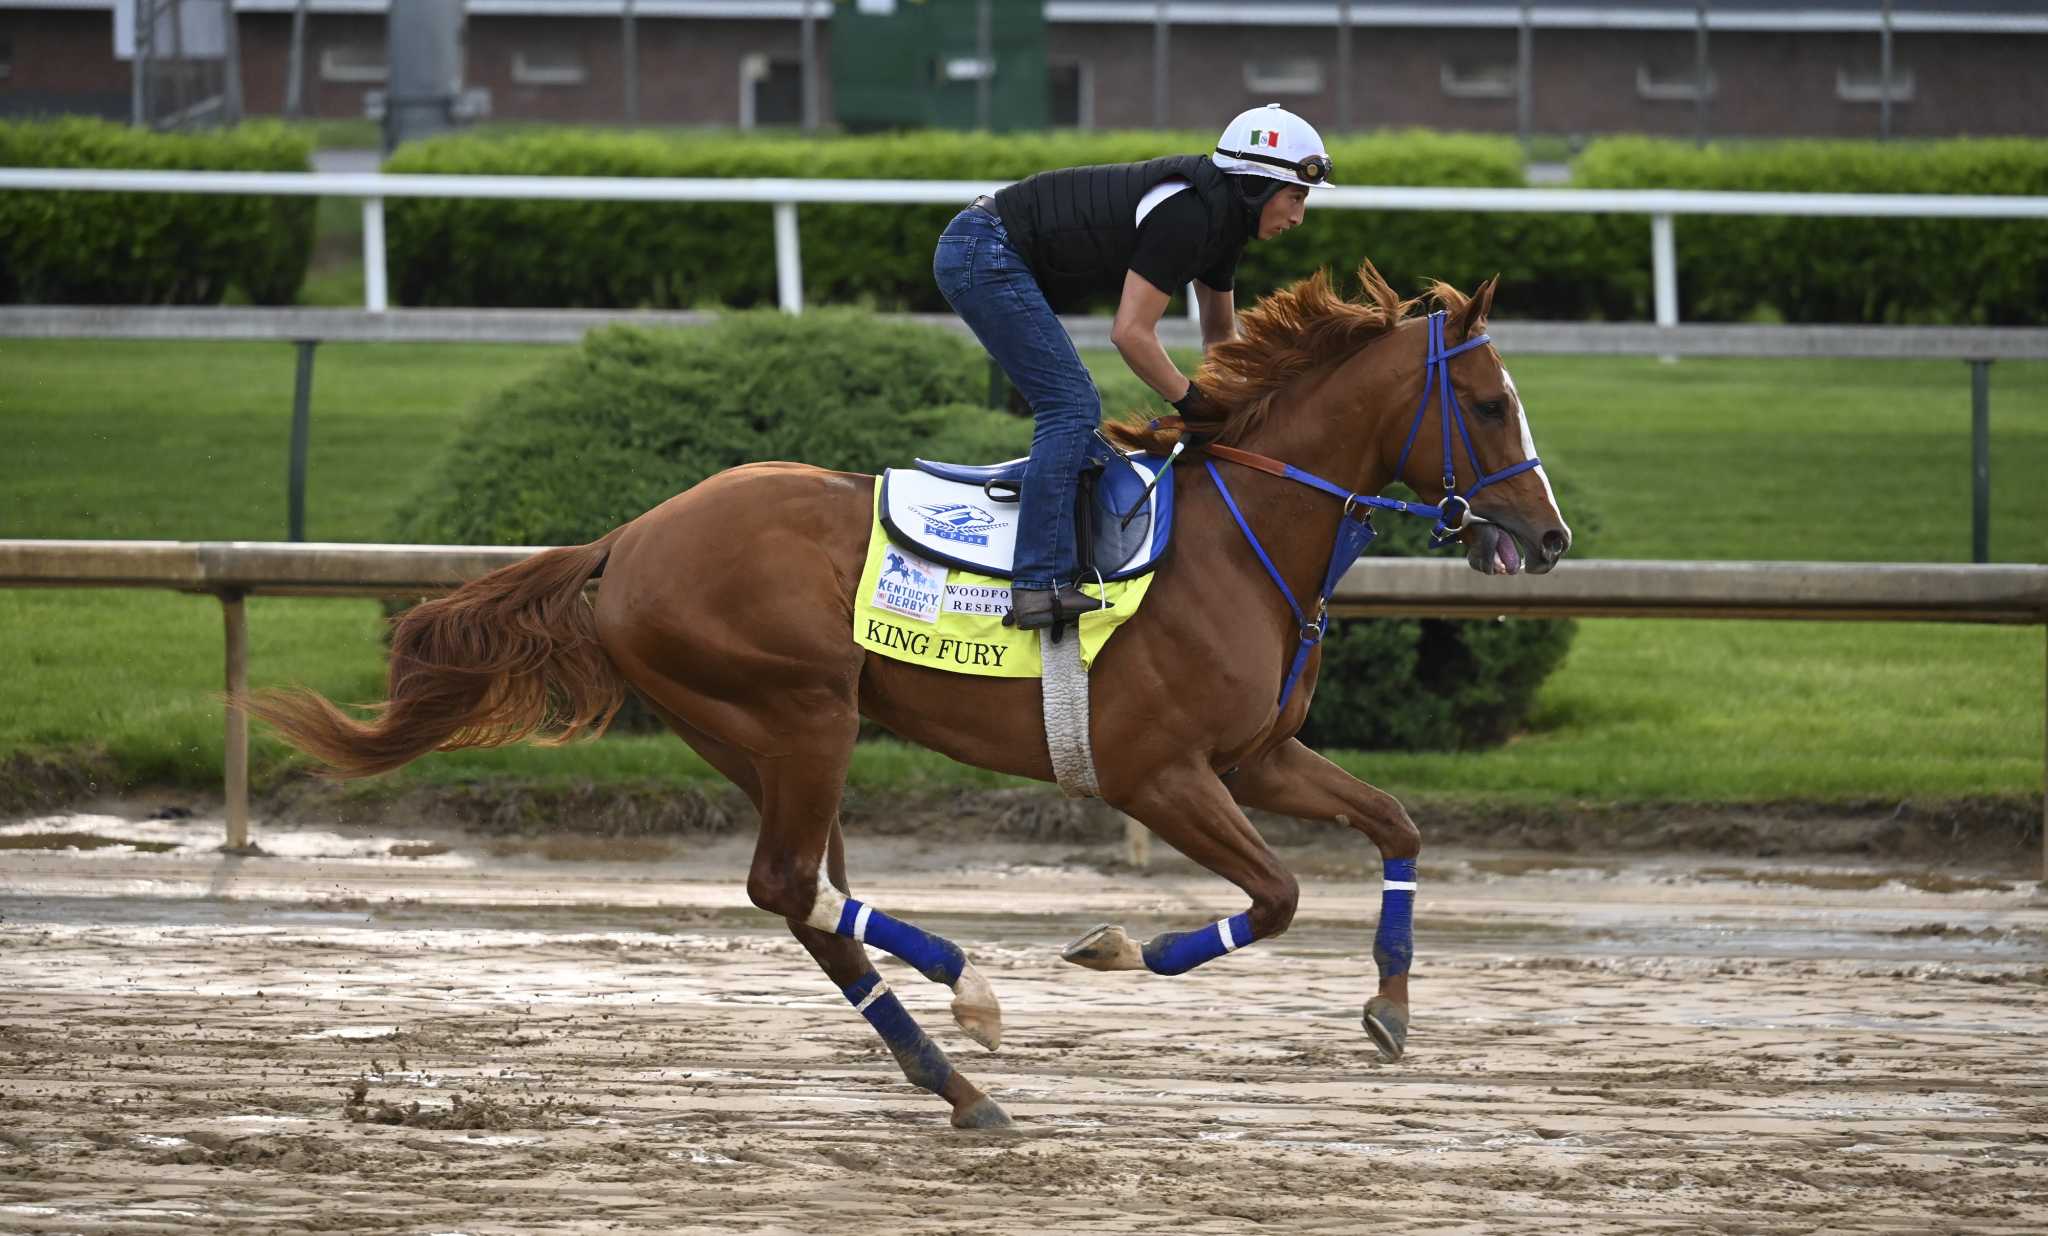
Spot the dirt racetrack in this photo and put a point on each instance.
(437, 1033)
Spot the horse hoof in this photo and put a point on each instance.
(1387, 1023)
(1106, 948)
(981, 1114)
(975, 1009)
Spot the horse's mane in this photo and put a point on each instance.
(1287, 334)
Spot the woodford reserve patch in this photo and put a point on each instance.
(911, 609)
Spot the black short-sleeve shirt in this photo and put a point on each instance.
(1170, 243)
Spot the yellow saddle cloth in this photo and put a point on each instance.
(926, 613)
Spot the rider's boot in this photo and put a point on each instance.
(1033, 608)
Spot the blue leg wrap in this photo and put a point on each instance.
(935, 957)
(921, 1060)
(1178, 952)
(1393, 946)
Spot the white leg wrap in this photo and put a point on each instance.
(881, 989)
(1223, 932)
(827, 905)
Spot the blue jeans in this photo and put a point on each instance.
(992, 290)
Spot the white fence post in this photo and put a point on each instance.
(1664, 274)
(789, 269)
(376, 297)
(1664, 268)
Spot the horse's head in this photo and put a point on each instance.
(1498, 502)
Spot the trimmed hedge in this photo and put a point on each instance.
(635, 254)
(152, 248)
(1837, 270)
(636, 416)
(1553, 266)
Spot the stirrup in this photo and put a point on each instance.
(1034, 608)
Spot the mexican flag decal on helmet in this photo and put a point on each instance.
(1265, 137)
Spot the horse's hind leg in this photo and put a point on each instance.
(924, 1064)
(1293, 780)
(842, 958)
(1191, 811)
(791, 877)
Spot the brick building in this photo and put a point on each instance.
(1798, 68)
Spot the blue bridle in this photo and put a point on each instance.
(1354, 524)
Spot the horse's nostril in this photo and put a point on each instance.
(1555, 543)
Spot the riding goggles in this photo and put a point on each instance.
(1314, 170)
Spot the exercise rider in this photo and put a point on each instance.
(1141, 231)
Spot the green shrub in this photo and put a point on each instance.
(1738, 267)
(636, 254)
(636, 416)
(152, 248)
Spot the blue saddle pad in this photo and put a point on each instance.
(966, 516)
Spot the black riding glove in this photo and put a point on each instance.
(1196, 406)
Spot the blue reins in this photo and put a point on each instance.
(1354, 524)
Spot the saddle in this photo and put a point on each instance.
(966, 516)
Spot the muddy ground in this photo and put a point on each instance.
(438, 1032)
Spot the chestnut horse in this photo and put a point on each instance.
(730, 609)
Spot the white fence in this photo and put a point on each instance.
(784, 196)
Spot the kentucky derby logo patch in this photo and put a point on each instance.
(958, 521)
(910, 586)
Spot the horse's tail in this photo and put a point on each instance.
(504, 656)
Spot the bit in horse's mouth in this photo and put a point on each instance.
(1495, 551)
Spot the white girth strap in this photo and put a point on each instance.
(1065, 687)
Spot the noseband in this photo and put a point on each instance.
(1354, 524)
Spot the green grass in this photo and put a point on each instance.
(1720, 459)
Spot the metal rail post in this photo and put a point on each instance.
(376, 296)
(302, 428)
(1884, 76)
(237, 787)
(789, 270)
(629, 57)
(1160, 36)
(1525, 68)
(1980, 461)
(1343, 66)
(807, 67)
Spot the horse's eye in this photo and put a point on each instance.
(1492, 409)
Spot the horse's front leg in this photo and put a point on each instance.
(1293, 780)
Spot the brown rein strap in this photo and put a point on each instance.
(1262, 463)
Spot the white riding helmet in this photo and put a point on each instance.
(1273, 142)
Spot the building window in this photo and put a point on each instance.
(1673, 86)
(1867, 85)
(771, 91)
(1478, 81)
(1070, 95)
(360, 63)
(549, 67)
(1303, 75)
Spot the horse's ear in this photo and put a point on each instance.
(1477, 308)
